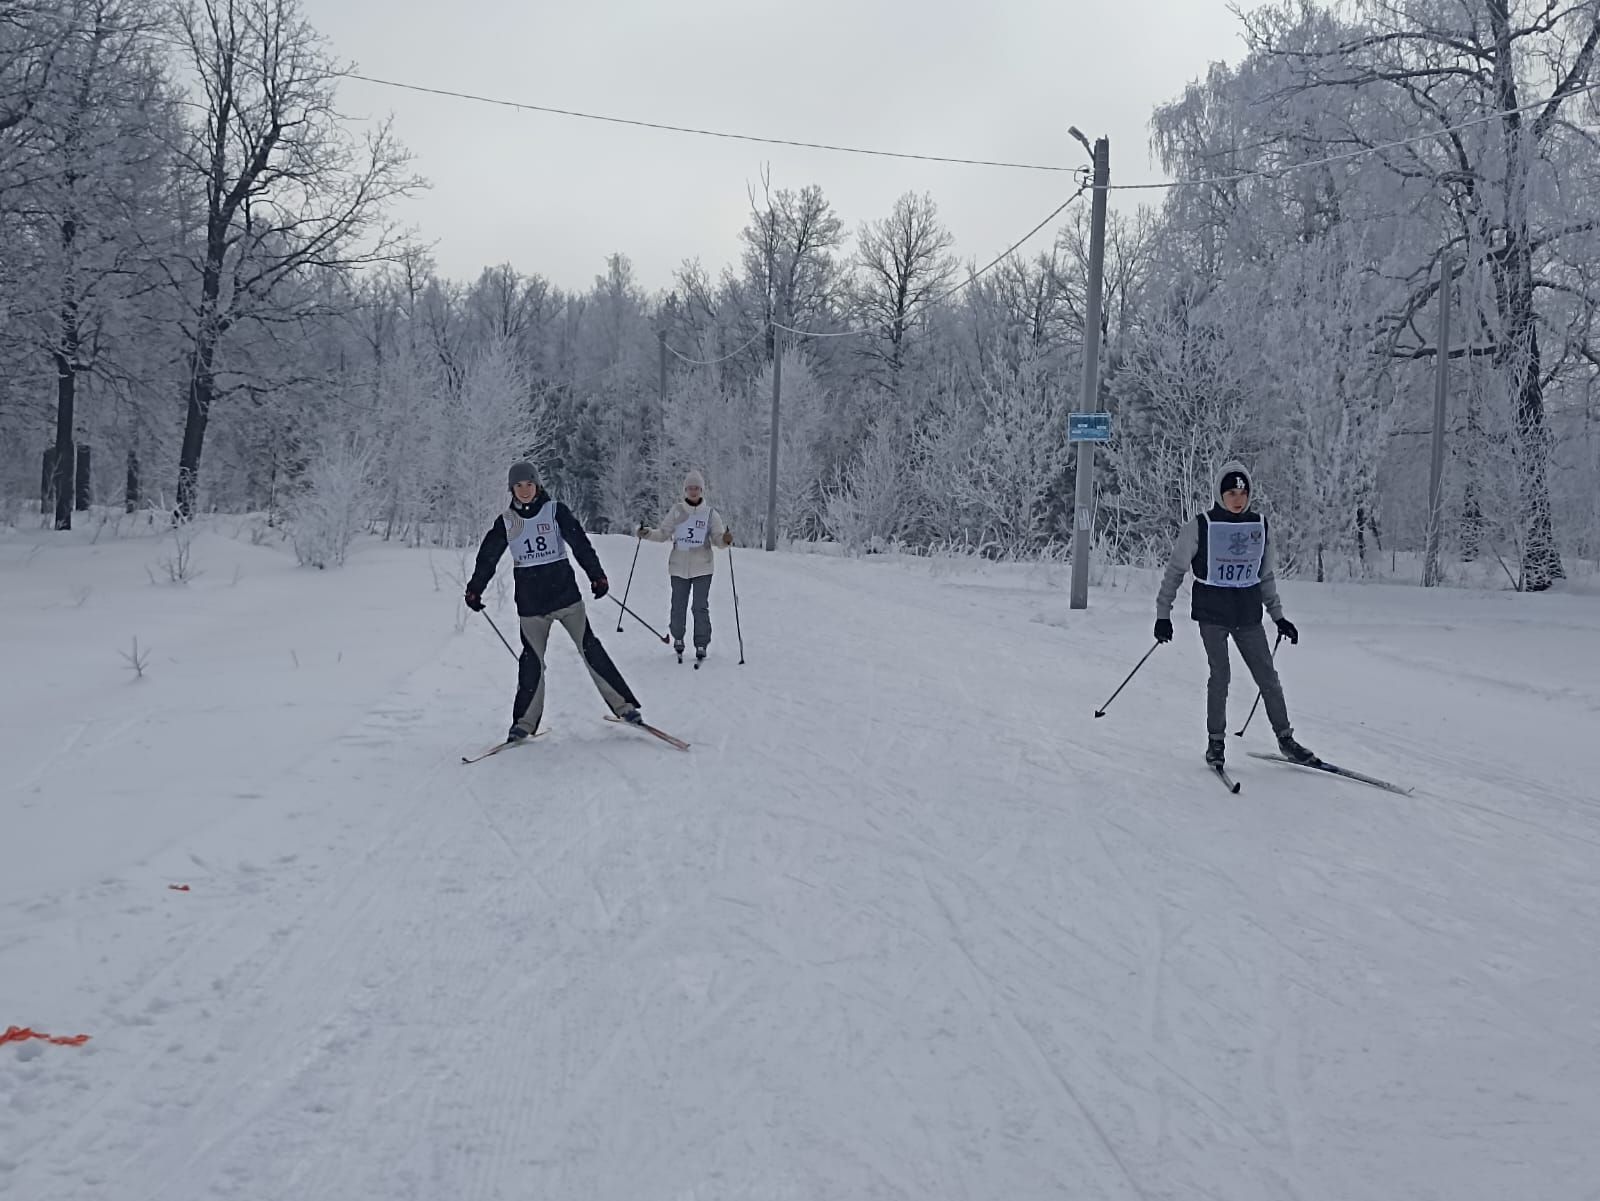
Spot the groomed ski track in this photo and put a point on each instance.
(905, 923)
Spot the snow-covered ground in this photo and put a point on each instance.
(905, 923)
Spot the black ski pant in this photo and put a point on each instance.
(527, 710)
(1257, 655)
(700, 588)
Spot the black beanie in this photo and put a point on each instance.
(521, 473)
(1233, 480)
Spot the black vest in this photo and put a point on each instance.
(1234, 608)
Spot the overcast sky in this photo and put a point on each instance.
(994, 79)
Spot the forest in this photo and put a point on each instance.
(208, 305)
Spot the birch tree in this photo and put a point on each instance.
(1435, 67)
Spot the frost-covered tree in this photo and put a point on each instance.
(1514, 193)
(1187, 400)
(903, 267)
(279, 188)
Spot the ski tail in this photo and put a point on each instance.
(1228, 781)
(649, 729)
(1334, 769)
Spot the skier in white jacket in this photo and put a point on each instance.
(693, 527)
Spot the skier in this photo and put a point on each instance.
(538, 529)
(1229, 549)
(693, 527)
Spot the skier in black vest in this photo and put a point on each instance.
(538, 529)
(1229, 549)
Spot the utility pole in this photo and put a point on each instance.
(1083, 499)
(1441, 388)
(772, 451)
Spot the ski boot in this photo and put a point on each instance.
(516, 734)
(678, 647)
(1216, 751)
(632, 716)
(1294, 752)
(699, 655)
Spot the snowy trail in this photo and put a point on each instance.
(906, 923)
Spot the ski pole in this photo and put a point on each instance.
(1239, 733)
(638, 542)
(641, 621)
(732, 579)
(498, 634)
(1101, 711)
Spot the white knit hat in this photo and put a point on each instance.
(694, 480)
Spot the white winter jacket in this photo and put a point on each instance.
(689, 561)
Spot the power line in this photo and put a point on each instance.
(1010, 250)
(707, 133)
(760, 333)
(1349, 155)
(1237, 177)
(940, 299)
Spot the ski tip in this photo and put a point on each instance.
(1099, 712)
(1235, 789)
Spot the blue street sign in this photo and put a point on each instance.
(1088, 427)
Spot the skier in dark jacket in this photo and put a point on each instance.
(538, 530)
(1229, 550)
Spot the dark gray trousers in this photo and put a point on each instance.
(700, 587)
(1257, 655)
(527, 708)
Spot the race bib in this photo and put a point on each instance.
(692, 531)
(536, 540)
(1234, 550)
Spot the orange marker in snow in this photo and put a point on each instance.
(21, 1034)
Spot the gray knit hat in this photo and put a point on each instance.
(521, 473)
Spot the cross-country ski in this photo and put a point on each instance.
(1323, 765)
(502, 746)
(1221, 773)
(669, 739)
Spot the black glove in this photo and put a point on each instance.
(1286, 630)
(474, 600)
(599, 586)
(1163, 629)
